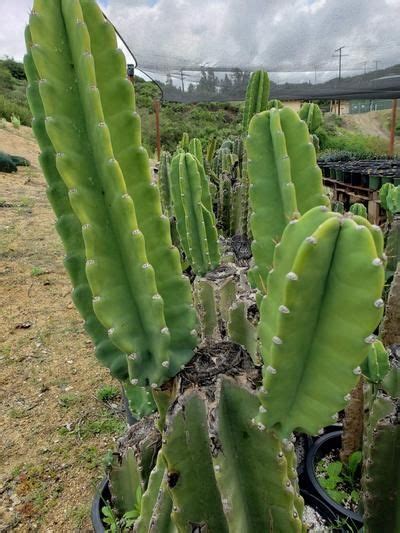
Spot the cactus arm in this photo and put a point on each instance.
(124, 481)
(140, 400)
(164, 183)
(115, 90)
(191, 476)
(256, 96)
(294, 234)
(150, 504)
(376, 365)
(206, 305)
(205, 190)
(69, 229)
(306, 174)
(191, 190)
(251, 468)
(267, 164)
(359, 210)
(331, 275)
(196, 150)
(178, 204)
(121, 279)
(383, 486)
(242, 331)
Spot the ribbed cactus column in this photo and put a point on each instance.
(312, 116)
(90, 119)
(317, 321)
(381, 472)
(69, 229)
(193, 211)
(256, 96)
(285, 181)
(163, 183)
(246, 485)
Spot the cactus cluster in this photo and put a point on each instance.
(219, 457)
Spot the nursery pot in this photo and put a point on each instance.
(102, 497)
(321, 447)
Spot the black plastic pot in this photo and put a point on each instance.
(101, 498)
(321, 447)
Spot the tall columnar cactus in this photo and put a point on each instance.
(381, 468)
(308, 301)
(163, 182)
(256, 96)
(312, 116)
(193, 211)
(389, 196)
(285, 181)
(69, 229)
(93, 127)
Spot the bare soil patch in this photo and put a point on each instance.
(54, 431)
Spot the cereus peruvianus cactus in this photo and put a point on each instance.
(256, 96)
(285, 181)
(137, 290)
(220, 456)
(312, 116)
(193, 210)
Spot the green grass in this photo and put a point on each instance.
(37, 271)
(107, 393)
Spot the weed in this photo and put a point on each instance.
(67, 400)
(37, 271)
(107, 393)
(17, 412)
(91, 457)
(78, 515)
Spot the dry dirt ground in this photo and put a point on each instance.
(54, 431)
(375, 123)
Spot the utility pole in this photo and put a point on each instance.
(340, 69)
(182, 82)
(376, 64)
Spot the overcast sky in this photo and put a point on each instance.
(281, 35)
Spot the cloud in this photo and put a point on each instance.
(14, 18)
(284, 35)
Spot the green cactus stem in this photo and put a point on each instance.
(196, 149)
(163, 182)
(95, 132)
(390, 331)
(246, 484)
(195, 221)
(285, 181)
(376, 365)
(277, 104)
(312, 116)
(381, 473)
(69, 229)
(257, 95)
(359, 210)
(328, 275)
